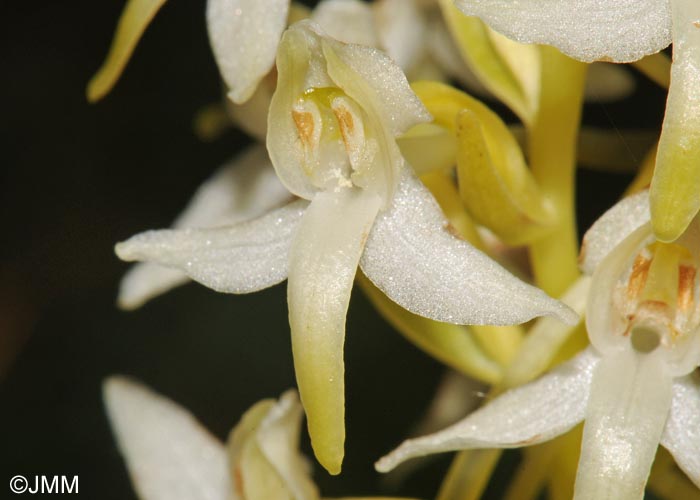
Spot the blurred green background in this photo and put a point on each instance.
(76, 178)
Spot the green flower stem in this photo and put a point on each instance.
(552, 144)
(469, 474)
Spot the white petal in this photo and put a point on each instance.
(392, 93)
(170, 456)
(402, 31)
(588, 30)
(243, 189)
(322, 266)
(300, 66)
(278, 438)
(528, 415)
(627, 408)
(413, 258)
(244, 35)
(682, 433)
(602, 316)
(611, 228)
(243, 258)
(349, 21)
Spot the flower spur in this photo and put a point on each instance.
(332, 128)
(633, 387)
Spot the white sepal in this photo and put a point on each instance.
(528, 415)
(242, 258)
(612, 228)
(322, 266)
(170, 456)
(629, 401)
(243, 189)
(244, 35)
(401, 26)
(682, 433)
(412, 256)
(349, 21)
(587, 30)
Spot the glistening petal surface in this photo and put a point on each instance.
(244, 35)
(612, 228)
(384, 85)
(682, 433)
(587, 30)
(413, 258)
(629, 400)
(322, 267)
(243, 258)
(243, 189)
(524, 416)
(170, 456)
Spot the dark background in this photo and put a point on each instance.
(76, 178)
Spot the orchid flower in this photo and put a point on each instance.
(332, 128)
(625, 31)
(633, 387)
(171, 456)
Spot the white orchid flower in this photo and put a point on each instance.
(171, 456)
(332, 128)
(625, 31)
(633, 386)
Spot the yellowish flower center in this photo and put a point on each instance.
(659, 299)
(333, 137)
